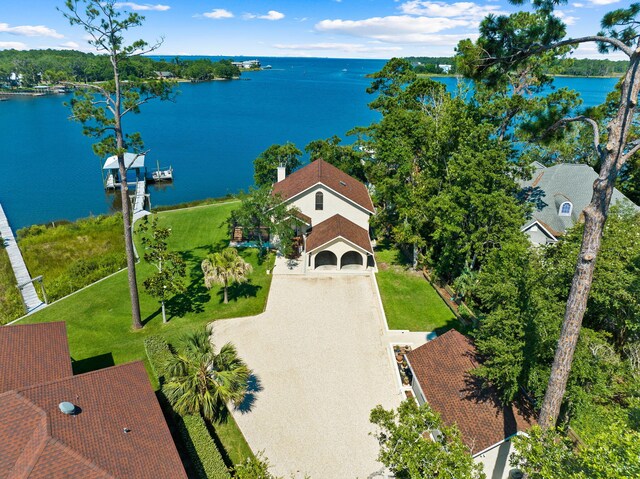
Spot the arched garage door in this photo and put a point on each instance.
(326, 260)
(351, 260)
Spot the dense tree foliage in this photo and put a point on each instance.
(349, 158)
(587, 67)
(53, 66)
(265, 166)
(521, 294)
(410, 452)
(442, 181)
(613, 453)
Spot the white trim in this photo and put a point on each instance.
(358, 205)
(524, 229)
(560, 213)
(340, 237)
(486, 450)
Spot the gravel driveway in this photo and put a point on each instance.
(322, 364)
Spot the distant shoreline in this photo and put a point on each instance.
(560, 75)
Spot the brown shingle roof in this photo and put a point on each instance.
(335, 227)
(44, 442)
(35, 354)
(322, 172)
(442, 368)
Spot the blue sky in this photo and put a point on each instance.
(318, 28)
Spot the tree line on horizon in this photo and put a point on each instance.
(49, 66)
(583, 67)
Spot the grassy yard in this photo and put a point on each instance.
(410, 302)
(99, 318)
(10, 301)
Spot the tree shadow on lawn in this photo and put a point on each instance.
(254, 386)
(454, 323)
(195, 295)
(240, 290)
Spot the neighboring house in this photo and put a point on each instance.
(335, 209)
(247, 64)
(165, 75)
(102, 424)
(445, 68)
(559, 194)
(441, 377)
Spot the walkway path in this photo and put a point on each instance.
(20, 271)
(139, 202)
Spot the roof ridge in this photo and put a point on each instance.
(82, 375)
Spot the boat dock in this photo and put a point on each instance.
(25, 282)
(140, 201)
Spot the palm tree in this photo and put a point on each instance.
(225, 268)
(203, 382)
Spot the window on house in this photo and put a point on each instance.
(565, 209)
(319, 200)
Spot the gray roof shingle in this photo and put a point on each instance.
(551, 186)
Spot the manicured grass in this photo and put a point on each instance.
(10, 301)
(233, 440)
(99, 317)
(410, 302)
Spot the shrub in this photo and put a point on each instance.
(197, 441)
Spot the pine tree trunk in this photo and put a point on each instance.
(164, 314)
(124, 193)
(128, 246)
(595, 215)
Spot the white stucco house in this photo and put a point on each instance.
(335, 208)
(440, 370)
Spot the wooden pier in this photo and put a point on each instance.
(25, 282)
(140, 201)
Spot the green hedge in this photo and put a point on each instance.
(200, 446)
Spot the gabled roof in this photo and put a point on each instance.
(31, 354)
(338, 227)
(39, 441)
(334, 178)
(442, 367)
(131, 160)
(551, 186)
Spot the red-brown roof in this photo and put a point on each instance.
(442, 368)
(322, 172)
(31, 354)
(338, 227)
(41, 441)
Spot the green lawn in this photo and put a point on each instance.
(99, 317)
(410, 302)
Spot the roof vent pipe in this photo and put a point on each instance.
(67, 408)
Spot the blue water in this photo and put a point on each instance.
(210, 135)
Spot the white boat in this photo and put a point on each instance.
(162, 175)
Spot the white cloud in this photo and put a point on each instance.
(603, 2)
(577, 5)
(449, 10)
(271, 15)
(568, 19)
(218, 13)
(401, 28)
(342, 47)
(30, 31)
(69, 46)
(590, 50)
(142, 6)
(12, 46)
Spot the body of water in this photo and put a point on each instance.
(210, 135)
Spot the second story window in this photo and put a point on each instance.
(565, 209)
(319, 201)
